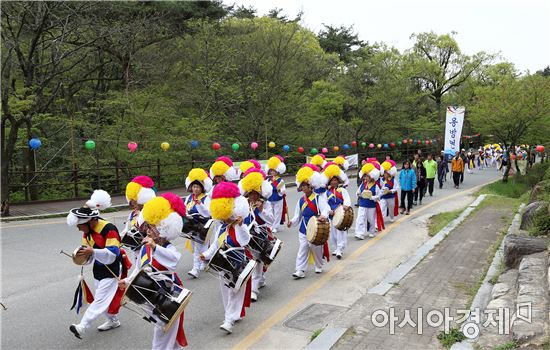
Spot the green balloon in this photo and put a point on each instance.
(90, 145)
(314, 151)
(235, 146)
(363, 144)
(399, 143)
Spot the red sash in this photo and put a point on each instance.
(285, 210)
(337, 193)
(396, 206)
(379, 218)
(311, 206)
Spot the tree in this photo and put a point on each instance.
(340, 40)
(514, 111)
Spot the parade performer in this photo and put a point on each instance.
(343, 163)
(257, 190)
(337, 195)
(471, 162)
(247, 164)
(101, 244)
(369, 213)
(480, 158)
(382, 204)
(390, 188)
(319, 160)
(223, 170)
(197, 205)
(138, 191)
(230, 208)
(275, 168)
(162, 219)
(309, 205)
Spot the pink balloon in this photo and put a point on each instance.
(324, 150)
(132, 146)
(405, 141)
(254, 145)
(371, 145)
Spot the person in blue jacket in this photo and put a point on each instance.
(407, 180)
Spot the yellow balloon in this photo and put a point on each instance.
(165, 146)
(271, 144)
(378, 146)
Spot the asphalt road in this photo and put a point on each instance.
(38, 283)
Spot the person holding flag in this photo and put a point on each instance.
(275, 168)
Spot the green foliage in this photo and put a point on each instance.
(448, 339)
(315, 334)
(437, 222)
(511, 189)
(541, 223)
(507, 346)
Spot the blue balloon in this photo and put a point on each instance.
(286, 148)
(346, 146)
(194, 144)
(386, 145)
(35, 143)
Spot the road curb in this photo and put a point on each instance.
(326, 339)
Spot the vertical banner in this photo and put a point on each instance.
(453, 130)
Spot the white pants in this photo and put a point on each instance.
(383, 207)
(105, 290)
(162, 341)
(258, 276)
(198, 249)
(339, 238)
(390, 204)
(365, 215)
(303, 251)
(277, 208)
(232, 301)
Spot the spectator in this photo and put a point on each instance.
(464, 162)
(441, 165)
(457, 167)
(415, 160)
(420, 182)
(407, 181)
(431, 170)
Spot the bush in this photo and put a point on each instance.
(535, 174)
(541, 223)
(455, 335)
(513, 188)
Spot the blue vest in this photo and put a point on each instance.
(275, 197)
(306, 211)
(364, 202)
(193, 210)
(333, 200)
(387, 185)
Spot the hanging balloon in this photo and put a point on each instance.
(216, 146)
(399, 143)
(353, 143)
(378, 146)
(194, 144)
(271, 144)
(345, 147)
(335, 148)
(363, 144)
(386, 146)
(405, 141)
(254, 145)
(235, 147)
(392, 145)
(371, 145)
(35, 143)
(132, 146)
(410, 140)
(427, 142)
(165, 146)
(419, 142)
(324, 150)
(90, 145)
(300, 149)
(286, 148)
(540, 148)
(314, 151)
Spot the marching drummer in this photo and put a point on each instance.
(162, 217)
(390, 188)
(337, 195)
(247, 164)
(276, 167)
(223, 170)
(100, 243)
(197, 204)
(138, 191)
(255, 187)
(308, 206)
(228, 206)
(343, 163)
(369, 213)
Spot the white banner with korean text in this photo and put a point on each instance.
(453, 130)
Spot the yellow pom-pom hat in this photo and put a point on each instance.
(390, 167)
(199, 176)
(227, 202)
(165, 212)
(318, 160)
(255, 180)
(276, 163)
(223, 166)
(332, 170)
(141, 189)
(342, 162)
(377, 165)
(309, 173)
(371, 170)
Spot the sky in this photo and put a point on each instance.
(518, 30)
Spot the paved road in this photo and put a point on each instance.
(38, 285)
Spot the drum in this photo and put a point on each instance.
(317, 232)
(132, 239)
(263, 248)
(343, 218)
(367, 194)
(146, 289)
(197, 228)
(81, 259)
(233, 265)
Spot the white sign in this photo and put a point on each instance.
(453, 129)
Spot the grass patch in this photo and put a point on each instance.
(541, 223)
(500, 270)
(315, 334)
(511, 189)
(448, 339)
(507, 346)
(437, 222)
